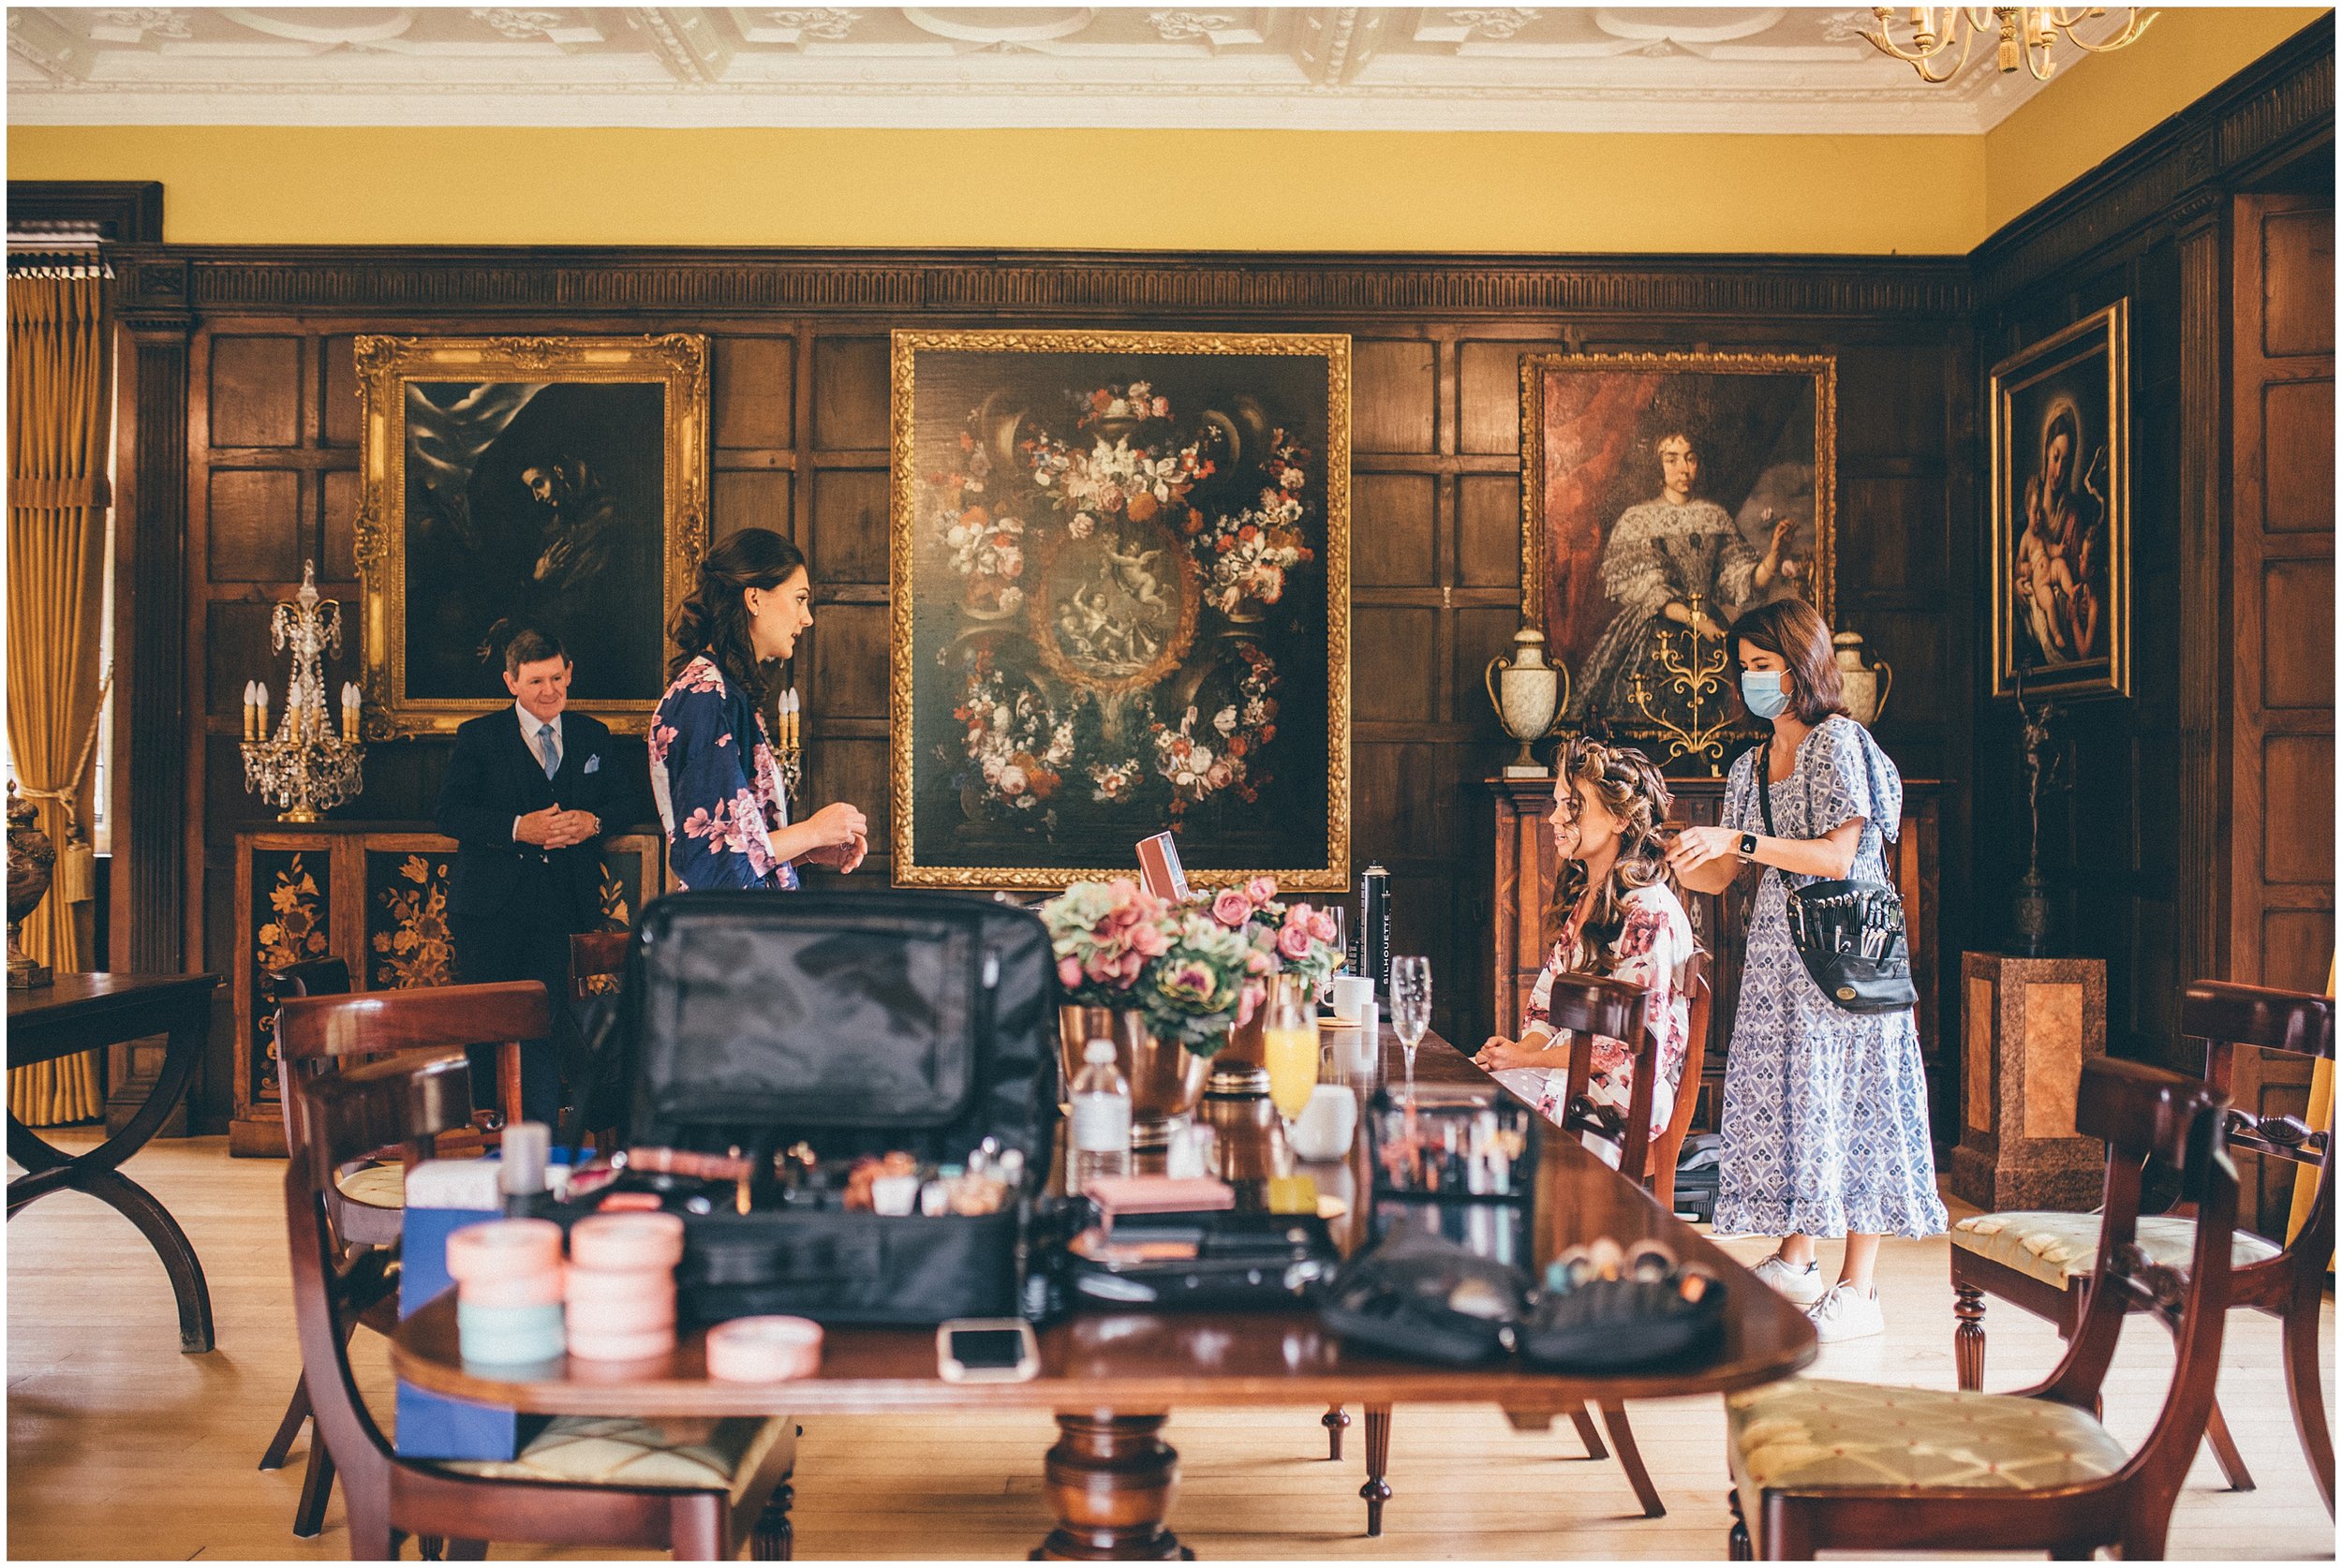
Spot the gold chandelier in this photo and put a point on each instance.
(2026, 33)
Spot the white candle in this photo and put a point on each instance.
(259, 706)
(349, 710)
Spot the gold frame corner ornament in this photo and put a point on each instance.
(907, 344)
(677, 361)
(2033, 363)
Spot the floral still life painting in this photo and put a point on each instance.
(1120, 575)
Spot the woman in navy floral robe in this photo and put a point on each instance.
(712, 769)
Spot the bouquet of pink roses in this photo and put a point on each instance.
(1119, 945)
(1286, 938)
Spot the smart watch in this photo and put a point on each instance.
(1748, 846)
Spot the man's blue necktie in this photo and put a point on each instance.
(549, 749)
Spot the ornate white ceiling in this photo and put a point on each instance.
(1574, 69)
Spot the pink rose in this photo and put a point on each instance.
(1069, 973)
(1149, 942)
(1260, 890)
(1101, 968)
(1293, 943)
(1321, 926)
(1232, 908)
(1247, 1002)
(1131, 964)
(1258, 962)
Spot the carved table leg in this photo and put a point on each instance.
(1110, 1480)
(1737, 1547)
(775, 1539)
(1967, 1340)
(1377, 1488)
(1335, 1420)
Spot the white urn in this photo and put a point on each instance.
(1865, 685)
(1527, 693)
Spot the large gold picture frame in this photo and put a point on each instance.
(1080, 660)
(2061, 513)
(559, 483)
(1595, 515)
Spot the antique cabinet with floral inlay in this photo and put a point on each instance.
(373, 895)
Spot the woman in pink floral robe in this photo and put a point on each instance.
(1617, 917)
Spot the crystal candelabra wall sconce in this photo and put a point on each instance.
(306, 768)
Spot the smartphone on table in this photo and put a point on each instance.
(987, 1350)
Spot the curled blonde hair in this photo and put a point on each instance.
(1631, 789)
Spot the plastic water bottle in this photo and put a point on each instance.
(1101, 1118)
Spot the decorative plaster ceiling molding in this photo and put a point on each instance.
(1763, 69)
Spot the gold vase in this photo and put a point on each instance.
(1165, 1078)
(1240, 1070)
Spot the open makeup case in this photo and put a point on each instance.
(787, 1039)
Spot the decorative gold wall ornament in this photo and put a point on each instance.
(1119, 599)
(2025, 35)
(517, 481)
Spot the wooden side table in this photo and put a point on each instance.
(80, 1013)
(2029, 1024)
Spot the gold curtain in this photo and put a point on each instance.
(56, 528)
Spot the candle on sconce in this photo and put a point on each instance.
(796, 719)
(259, 710)
(247, 710)
(349, 710)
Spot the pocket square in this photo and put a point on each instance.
(593, 763)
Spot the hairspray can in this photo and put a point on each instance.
(1375, 927)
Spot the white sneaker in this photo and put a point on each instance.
(1803, 1286)
(1846, 1313)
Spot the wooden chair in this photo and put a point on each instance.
(596, 955)
(315, 977)
(699, 1489)
(1668, 1147)
(316, 1030)
(2042, 1261)
(1823, 1466)
(1584, 1006)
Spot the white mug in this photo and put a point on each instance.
(1323, 1130)
(1351, 993)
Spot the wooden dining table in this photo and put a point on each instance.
(1112, 1377)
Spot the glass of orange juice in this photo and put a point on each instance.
(1289, 1048)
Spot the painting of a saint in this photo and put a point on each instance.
(1662, 494)
(2060, 493)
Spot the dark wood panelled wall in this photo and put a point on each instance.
(242, 458)
(800, 386)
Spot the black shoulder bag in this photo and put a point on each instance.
(1849, 934)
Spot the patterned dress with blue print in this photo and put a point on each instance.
(1825, 1111)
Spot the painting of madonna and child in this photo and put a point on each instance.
(2061, 562)
(1662, 494)
(1120, 586)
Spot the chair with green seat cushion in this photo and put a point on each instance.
(2042, 1261)
(700, 1489)
(1840, 1466)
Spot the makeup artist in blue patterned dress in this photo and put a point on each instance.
(1825, 1111)
(712, 769)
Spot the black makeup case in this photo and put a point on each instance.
(858, 1023)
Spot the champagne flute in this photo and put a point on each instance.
(1289, 1049)
(1410, 1008)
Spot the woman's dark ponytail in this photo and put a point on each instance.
(713, 618)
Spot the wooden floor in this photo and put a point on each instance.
(121, 1447)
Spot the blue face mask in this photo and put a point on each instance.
(1762, 689)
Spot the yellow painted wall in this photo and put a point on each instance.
(2096, 106)
(1524, 193)
(1120, 190)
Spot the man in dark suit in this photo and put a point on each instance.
(527, 792)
